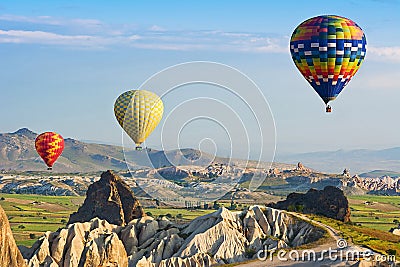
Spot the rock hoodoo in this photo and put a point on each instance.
(329, 202)
(110, 199)
(346, 173)
(216, 238)
(395, 231)
(9, 253)
(300, 166)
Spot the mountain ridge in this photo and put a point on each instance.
(357, 160)
(17, 153)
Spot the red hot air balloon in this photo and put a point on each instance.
(49, 146)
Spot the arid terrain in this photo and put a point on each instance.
(166, 236)
(182, 205)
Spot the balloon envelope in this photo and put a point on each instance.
(328, 51)
(138, 112)
(49, 146)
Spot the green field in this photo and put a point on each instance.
(371, 218)
(394, 200)
(377, 240)
(32, 215)
(376, 212)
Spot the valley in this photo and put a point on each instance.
(185, 185)
(35, 214)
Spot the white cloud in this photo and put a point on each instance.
(37, 20)
(92, 33)
(88, 25)
(167, 40)
(378, 81)
(156, 28)
(385, 53)
(40, 37)
(49, 20)
(134, 37)
(276, 45)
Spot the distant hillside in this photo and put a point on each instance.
(380, 173)
(17, 152)
(358, 161)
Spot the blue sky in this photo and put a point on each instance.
(63, 63)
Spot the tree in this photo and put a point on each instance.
(233, 206)
(299, 208)
(32, 236)
(291, 208)
(391, 252)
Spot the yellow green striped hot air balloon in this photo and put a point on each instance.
(138, 112)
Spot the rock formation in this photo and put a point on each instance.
(395, 231)
(173, 173)
(329, 202)
(110, 199)
(9, 253)
(216, 238)
(93, 243)
(300, 166)
(273, 172)
(382, 185)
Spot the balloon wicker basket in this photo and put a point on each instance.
(328, 109)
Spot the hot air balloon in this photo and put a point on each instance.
(49, 146)
(138, 112)
(328, 51)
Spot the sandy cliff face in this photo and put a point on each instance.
(111, 229)
(111, 199)
(219, 237)
(9, 253)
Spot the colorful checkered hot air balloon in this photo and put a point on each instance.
(49, 146)
(328, 51)
(138, 112)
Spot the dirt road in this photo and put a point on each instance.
(315, 257)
